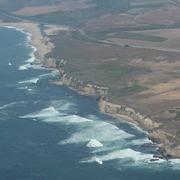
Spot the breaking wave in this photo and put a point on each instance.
(29, 62)
(7, 105)
(12, 104)
(19, 29)
(127, 154)
(45, 113)
(94, 143)
(30, 81)
(105, 141)
(140, 141)
(97, 130)
(54, 73)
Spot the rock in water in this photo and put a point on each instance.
(94, 143)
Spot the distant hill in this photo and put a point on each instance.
(13, 5)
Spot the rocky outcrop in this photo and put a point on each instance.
(124, 111)
(49, 63)
(83, 88)
(167, 143)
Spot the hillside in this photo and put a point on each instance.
(132, 47)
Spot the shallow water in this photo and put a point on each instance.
(49, 132)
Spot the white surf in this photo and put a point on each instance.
(31, 81)
(94, 143)
(44, 113)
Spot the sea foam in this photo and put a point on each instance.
(66, 119)
(140, 141)
(45, 113)
(104, 132)
(12, 104)
(94, 143)
(127, 154)
(30, 81)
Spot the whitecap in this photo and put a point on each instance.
(29, 62)
(31, 59)
(29, 89)
(103, 131)
(94, 143)
(98, 161)
(32, 81)
(76, 119)
(30, 66)
(23, 88)
(63, 118)
(91, 160)
(91, 116)
(53, 73)
(175, 163)
(140, 141)
(36, 66)
(8, 105)
(9, 64)
(127, 154)
(64, 105)
(11, 104)
(44, 113)
(24, 67)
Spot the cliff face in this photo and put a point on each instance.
(167, 143)
(78, 85)
(124, 111)
(49, 63)
(83, 88)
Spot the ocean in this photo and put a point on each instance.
(49, 132)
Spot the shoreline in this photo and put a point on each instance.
(44, 46)
(37, 40)
(122, 112)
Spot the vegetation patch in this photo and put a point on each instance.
(142, 37)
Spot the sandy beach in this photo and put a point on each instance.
(42, 43)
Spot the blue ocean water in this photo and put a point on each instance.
(49, 132)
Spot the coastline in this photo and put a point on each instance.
(123, 112)
(44, 46)
(37, 40)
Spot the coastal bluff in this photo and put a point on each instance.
(165, 141)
